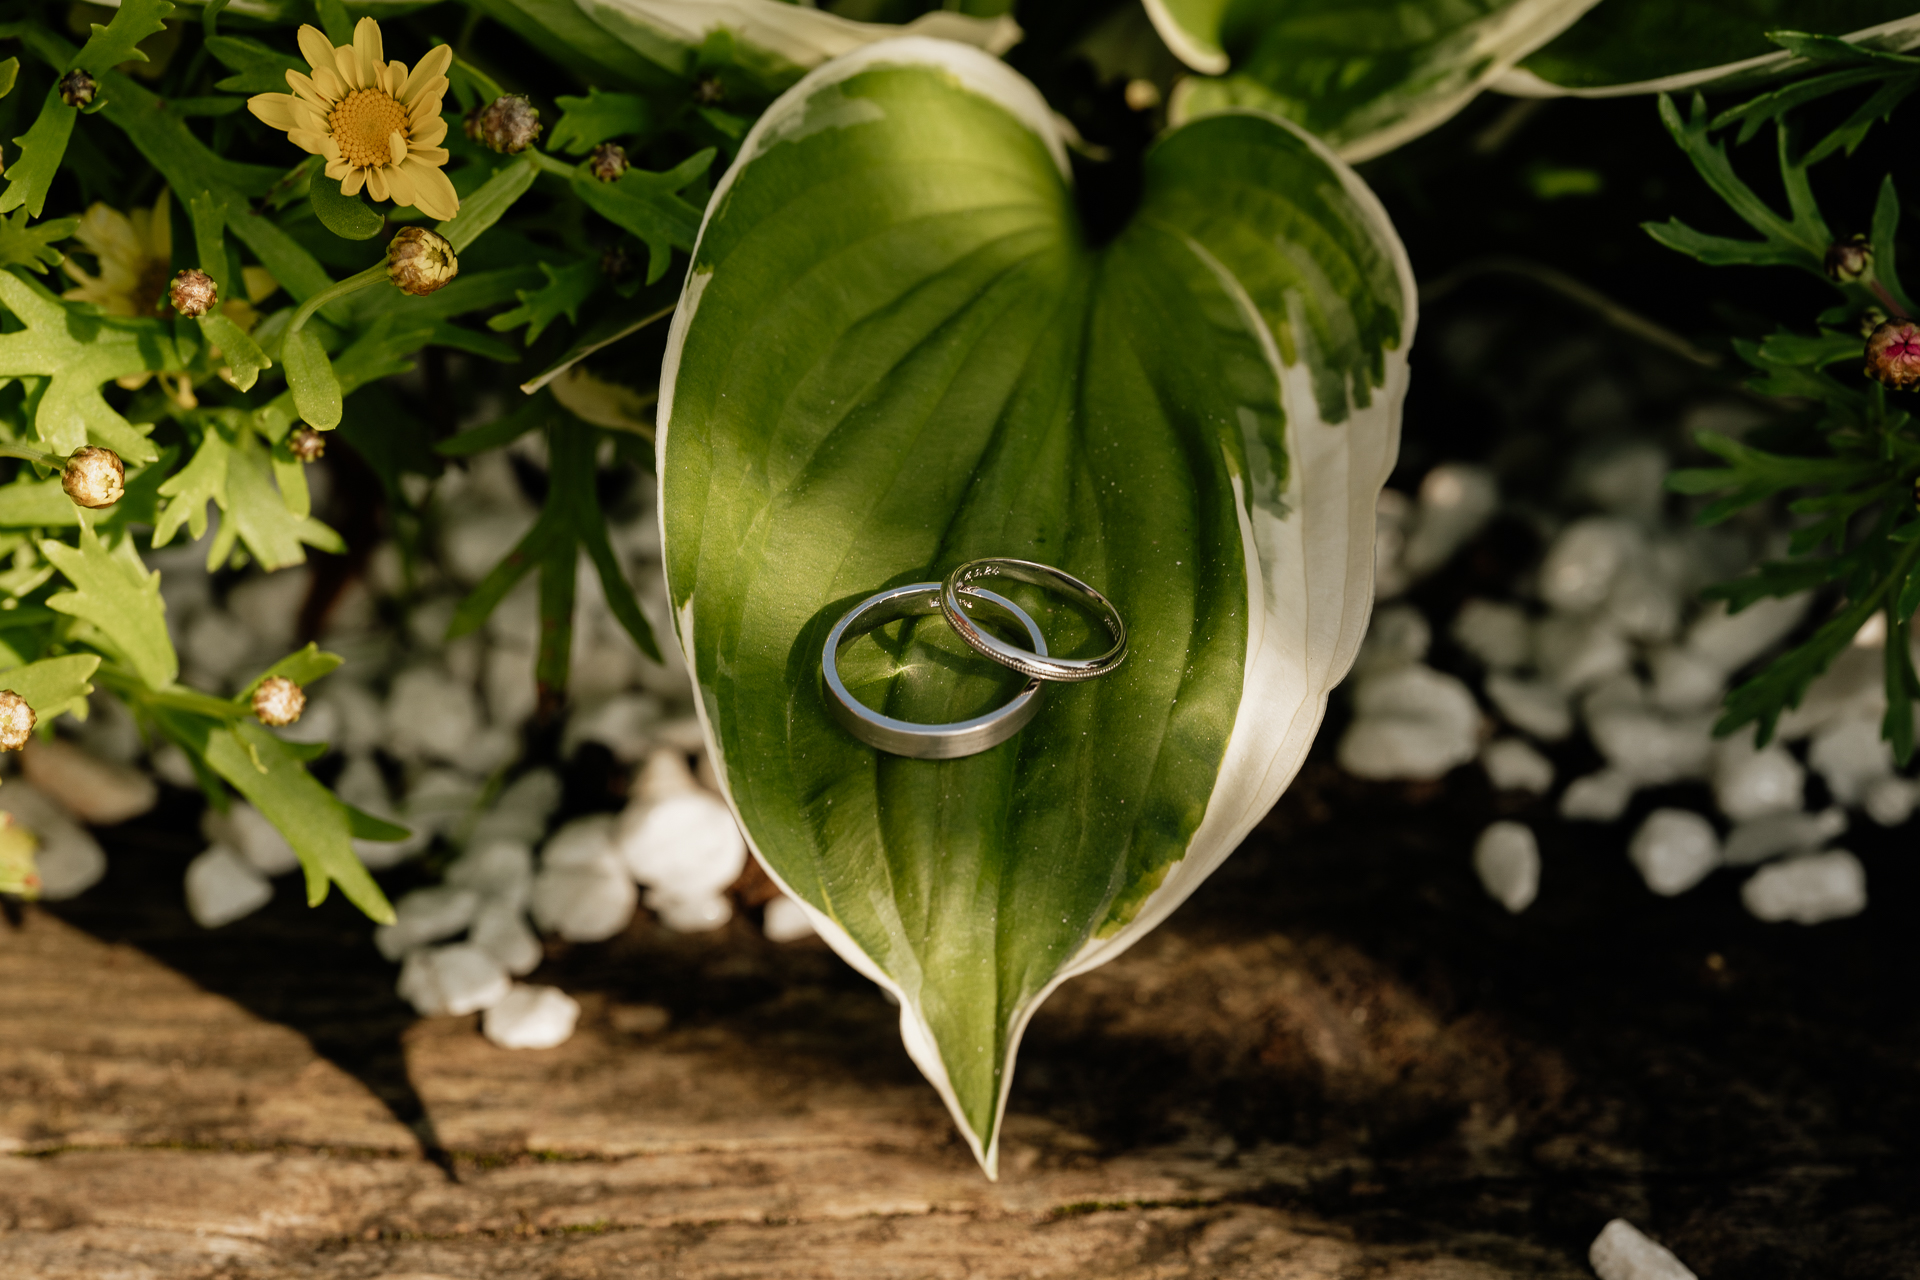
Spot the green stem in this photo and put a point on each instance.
(32, 455)
(542, 160)
(374, 274)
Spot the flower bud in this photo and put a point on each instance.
(307, 444)
(708, 91)
(94, 477)
(278, 701)
(608, 162)
(193, 293)
(77, 88)
(1848, 260)
(1893, 354)
(509, 124)
(16, 721)
(420, 261)
(616, 263)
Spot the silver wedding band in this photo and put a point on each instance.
(906, 737)
(1034, 662)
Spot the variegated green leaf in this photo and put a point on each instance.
(1365, 75)
(896, 351)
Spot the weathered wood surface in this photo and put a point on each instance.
(1339, 1062)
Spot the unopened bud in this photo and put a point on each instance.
(278, 701)
(77, 88)
(608, 162)
(307, 444)
(1893, 354)
(193, 293)
(1849, 259)
(16, 721)
(420, 261)
(509, 124)
(709, 91)
(94, 477)
(616, 263)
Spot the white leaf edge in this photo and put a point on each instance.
(1896, 36)
(1307, 617)
(1506, 38)
(803, 36)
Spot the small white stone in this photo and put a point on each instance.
(426, 915)
(488, 751)
(430, 714)
(1512, 765)
(500, 929)
(1853, 688)
(786, 921)
(170, 764)
(585, 902)
(664, 774)
(319, 722)
(500, 869)
(439, 800)
(1851, 756)
(530, 1017)
(506, 678)
(363, 718)
(690, 913)
(1500, 635)
(1683, 680)
(1628, 481)
(1809, 889)
(522, 811)
(222, 887)
(1507, 859)
(69, 860)
(1750, 783)
(686, 846)
(458, 979)
(1575, 651)
(1579, 568)
(1674, 849)
(216, 646)
(1398, 636)
(98, 792)
(581, 842)
(1730, 641)
(268, 605)
(1642, 603)
(247, 830)
(1891, 801)
(1654, 749)
(1620, 1252)
(1766, 837)
(1531, 706)
(1392, 515)
(1410, 722)
(1598, 797)
(110, 731)
(1456, 501)
(622, 724)
(481, 536)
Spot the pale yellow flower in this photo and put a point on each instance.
(132, 252)
(377, 125)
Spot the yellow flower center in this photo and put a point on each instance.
(362, 122)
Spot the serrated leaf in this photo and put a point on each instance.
(236, 346)
(896, 351)
(257, 68)
(265, 521)
(32, 247)
(591, 120)
(54, 685)
(190, 489)
(644, 205)
(79, 352)
(30, 503)
(42, 147)
(119, 596)
(566, 288)
(487, 205)
(609, 321)
(303, 667)
(348, 217)
(119, 40)
(310, 376)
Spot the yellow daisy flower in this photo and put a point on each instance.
(377, 126)
(131, 252)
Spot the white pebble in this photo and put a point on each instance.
(1891, 801)
(98, 792)
(1731, 640)
(1627, 480)
(1853, 688)
(1456, 501)
(216, 646)
(430, 714)
(1598, 797)
(426, 915)
(585, 902)
(500, 929)
(687, 846)
(623, 724)
(1500, 635)
(1851, 755)
(1758, 839)
(786, 921)
(1808, 889)
(506, 678)
(522, 811)
(1683, 680)
(1410, 722)
(1531, 706)
(479, 537)
(664, 774)
(247, 830)
(222, 887)
(530, 1017)
(69, 860)
(268, 605)
(1674, 850)
(1750, 783)
(1620, 1252)
(690, 914)
(1507, 859)
(1642, 603)
(582, 842)
(1578, 650)
(1392, 516)
(1651, 748)
(1397, 636)
(1579, 568)
(1512, 765)
(501, 869)
(458, 979)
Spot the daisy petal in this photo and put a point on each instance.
(399, 185)
(349, 64)
(396, 77)
(432, 67)
(377, 183)
(329, 85)
(338, 168)
(372, 50)
(351, 184)
(422, 111)
(428, 155)
(433, 194)
(315, 48)
(429, 135)
(305, 117)
(259, 283)
(396, 146)
(312, 143)
(274, 109)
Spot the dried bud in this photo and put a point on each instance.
(509, 123)
(420, 261)
(1893, 354)
(193, 293)
(94, 477)
(616, 263)
(708, 91)
(77, 88)
(278, 701)
(307, 444)
(608, 162)
(1849, 259)
(16, 721)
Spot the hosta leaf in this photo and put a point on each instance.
(1365, 75)
(1663, 46)
(896, 351)
(116, 593)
